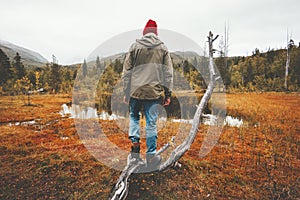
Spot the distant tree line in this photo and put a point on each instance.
(15, 79)
(258, 72)
(261, 71)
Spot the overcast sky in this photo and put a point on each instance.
(73, 29)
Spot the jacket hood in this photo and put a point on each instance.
(149, 40)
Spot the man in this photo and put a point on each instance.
(147, 74)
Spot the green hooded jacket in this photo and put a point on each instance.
(147, 69)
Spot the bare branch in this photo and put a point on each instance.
(121, 188)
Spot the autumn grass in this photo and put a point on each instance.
(257, 161)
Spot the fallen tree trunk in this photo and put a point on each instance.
(120, 189)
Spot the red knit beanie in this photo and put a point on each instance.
(150, 27)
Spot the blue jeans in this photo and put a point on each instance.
(151, 113)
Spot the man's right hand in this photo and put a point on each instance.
(125, 100)
(167, 101)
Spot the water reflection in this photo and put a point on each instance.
(122, 120)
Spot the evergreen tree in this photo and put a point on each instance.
(18, 67)
(223, 69)
(295, 66)
(118, 66)
(84, 69)
(45, 75)
(5, 68)
(31, 76)
(68, 75)
(98, 64)
(74, 74)
(55, 76)
(185, 66)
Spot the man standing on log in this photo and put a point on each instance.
(147, 74)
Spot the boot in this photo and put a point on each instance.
(153, 161)
(135, 150)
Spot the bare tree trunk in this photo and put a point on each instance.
(226, 56)
(120, 190)
(226, 42)
(287, 69)
(287, 62)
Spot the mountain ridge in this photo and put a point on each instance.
(29, 57)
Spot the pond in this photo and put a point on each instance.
(75, 111)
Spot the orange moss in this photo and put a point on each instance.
(258, 161)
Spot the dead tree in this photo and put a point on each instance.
(290, 43)
(120, 189)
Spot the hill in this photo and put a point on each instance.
(29, 58)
